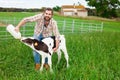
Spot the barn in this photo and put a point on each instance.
(74, 10)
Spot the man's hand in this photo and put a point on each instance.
(55, 49)
(17, 29)
(57, 45)
(21, 23)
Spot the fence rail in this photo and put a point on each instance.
(64, 27)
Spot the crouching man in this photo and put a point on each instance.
(45, 27)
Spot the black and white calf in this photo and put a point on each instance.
(45, 48)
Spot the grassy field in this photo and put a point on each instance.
(92, 56)
(108, 24)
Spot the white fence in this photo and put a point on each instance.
(64, 26)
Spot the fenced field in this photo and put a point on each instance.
(64, 26)
(92, 55)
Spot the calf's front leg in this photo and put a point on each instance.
(42, 63)
(50, 63)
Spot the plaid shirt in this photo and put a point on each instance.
(39, 27)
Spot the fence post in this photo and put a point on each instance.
(6, 30)
(14, 21)
(24, 30)
(96, 27)
(89, 27)
(81, 27)
(101, 26)
(73, 26)
(64, 24)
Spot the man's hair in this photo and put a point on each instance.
(48, 9)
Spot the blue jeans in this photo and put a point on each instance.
(36, 55)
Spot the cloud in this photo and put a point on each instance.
(13, 3)
(38, 3)
(10, 2)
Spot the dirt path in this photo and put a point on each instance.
(3, 24)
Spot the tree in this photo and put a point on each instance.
(105, 8)
(57, 8)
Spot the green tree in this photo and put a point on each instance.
(105, 8)
(57, 8)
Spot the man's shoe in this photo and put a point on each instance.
(46, 66)
(37, 66)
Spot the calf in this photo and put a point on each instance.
(45, 48)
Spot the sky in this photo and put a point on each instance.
(39, 3)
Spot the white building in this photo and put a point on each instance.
(74, 10)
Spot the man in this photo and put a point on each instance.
(45, 27)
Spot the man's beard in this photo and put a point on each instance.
(46, 18)
(46, 21)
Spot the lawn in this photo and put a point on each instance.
(92, 56)
(15, 17)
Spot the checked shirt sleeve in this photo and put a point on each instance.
(32, 18)
(55, 30)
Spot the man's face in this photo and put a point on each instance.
(47, 15)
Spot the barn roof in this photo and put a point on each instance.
(72, 6)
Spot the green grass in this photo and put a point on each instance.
(92, 56)
(15, 14)
(109, 25)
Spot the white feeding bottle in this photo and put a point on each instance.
(11, 29)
